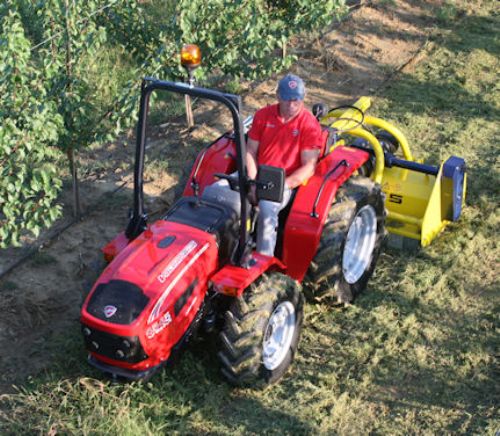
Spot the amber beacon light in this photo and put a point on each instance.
(190, 60)
(190, 56)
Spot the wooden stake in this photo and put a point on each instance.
(189, 112)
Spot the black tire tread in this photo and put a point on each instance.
(241, 339)
(323, 279)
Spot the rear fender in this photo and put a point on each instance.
(218, 157)
(232, 280)
(305, 222)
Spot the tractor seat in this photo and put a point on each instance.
(214, 218)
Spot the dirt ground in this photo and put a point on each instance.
(41, 297)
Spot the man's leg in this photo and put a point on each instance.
(220, 192)
(267, 225)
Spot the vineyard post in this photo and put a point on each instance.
(189, 106)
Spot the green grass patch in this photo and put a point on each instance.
(416, 352)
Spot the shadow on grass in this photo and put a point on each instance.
(188, 396)
(457, 373)
(411, 351)
(475, 32)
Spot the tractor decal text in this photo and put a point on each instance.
(176, 261)
(159, 325)
(395, 198)
(155, 313)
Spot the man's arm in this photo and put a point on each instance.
(301, 174)
(252, 148)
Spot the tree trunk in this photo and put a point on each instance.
(76, 190)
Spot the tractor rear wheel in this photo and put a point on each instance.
(350, 242)
(262, 331)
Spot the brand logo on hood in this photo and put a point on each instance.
(109, 311)
(176, 261)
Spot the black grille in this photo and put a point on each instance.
(118, 302)
(124, 348)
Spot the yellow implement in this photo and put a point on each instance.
(421, 199)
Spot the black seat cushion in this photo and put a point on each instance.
(214, 218)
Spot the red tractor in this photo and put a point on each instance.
(196, 268)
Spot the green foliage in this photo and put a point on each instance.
(29, 180)
(248, 39)
(79, 65)
(74, 43)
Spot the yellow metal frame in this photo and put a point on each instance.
(417, 203)
(349, 123)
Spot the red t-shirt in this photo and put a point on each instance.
(280, 144)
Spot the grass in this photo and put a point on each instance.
(414, 355)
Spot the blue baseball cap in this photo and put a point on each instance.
(291, 87)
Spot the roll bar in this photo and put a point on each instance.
(138, 218)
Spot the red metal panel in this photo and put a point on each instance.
(233, 280)
(163, 274)
(220, 157)
(303, 231)
(111, 249)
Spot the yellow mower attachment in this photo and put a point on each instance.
(421, 199)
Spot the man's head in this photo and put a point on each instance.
(291, 92)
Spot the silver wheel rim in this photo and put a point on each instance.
(359, 245)
(278, 335)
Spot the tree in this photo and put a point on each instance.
(29, 181)
(74, 39)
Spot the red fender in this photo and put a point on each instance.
(303, 230)
(219, 157)
(233, 280)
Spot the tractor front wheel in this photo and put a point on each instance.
(261, 332)
(350, 243)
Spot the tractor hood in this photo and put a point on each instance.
(155, 275)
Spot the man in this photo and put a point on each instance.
(288, 136)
